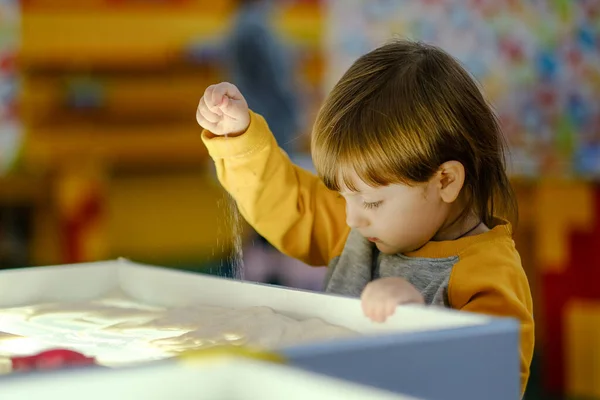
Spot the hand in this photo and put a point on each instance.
(223, 110)
(381, 297)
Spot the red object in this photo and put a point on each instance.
(578, 280)
(8, 62)
(51, 360)
(75, 227)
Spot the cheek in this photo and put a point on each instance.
(415, 207)
(415, 217)
(429, 215)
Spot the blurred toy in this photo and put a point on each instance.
(51, 360)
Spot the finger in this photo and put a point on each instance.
(373, 315)
(370, 311)
(208, 96)
(219, 94)
(227, 107)
(364, 304)
(203, 122)
(222, 90)
(381, 317)
(234, 109)
(390, 309)
(366, 301)
(206, 112)
(209, 103)
(230, 101)
(369, 308)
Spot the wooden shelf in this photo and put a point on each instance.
(126, 99)
(123, 37)
(150, 145)
(21, 189)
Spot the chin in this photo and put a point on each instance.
(386, 249)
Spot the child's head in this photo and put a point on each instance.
(407, 137)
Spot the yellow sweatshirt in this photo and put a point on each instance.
(297, 214)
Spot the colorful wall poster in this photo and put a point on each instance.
(537, 61)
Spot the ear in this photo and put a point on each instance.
(450, 180)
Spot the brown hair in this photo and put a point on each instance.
(399, 113)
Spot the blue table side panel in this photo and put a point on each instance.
(472, 363)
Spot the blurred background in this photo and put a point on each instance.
(101, 156)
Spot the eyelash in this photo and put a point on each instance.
(370, 206)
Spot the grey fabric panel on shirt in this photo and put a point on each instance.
(361, 262)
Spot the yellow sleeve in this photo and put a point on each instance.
(288, 206)
(489, 279)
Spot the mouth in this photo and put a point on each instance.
(373, 239)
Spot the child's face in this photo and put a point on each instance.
(397, 218)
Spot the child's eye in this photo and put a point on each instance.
(369, 206)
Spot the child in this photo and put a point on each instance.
(413, 202)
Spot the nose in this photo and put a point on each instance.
(355, 218)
